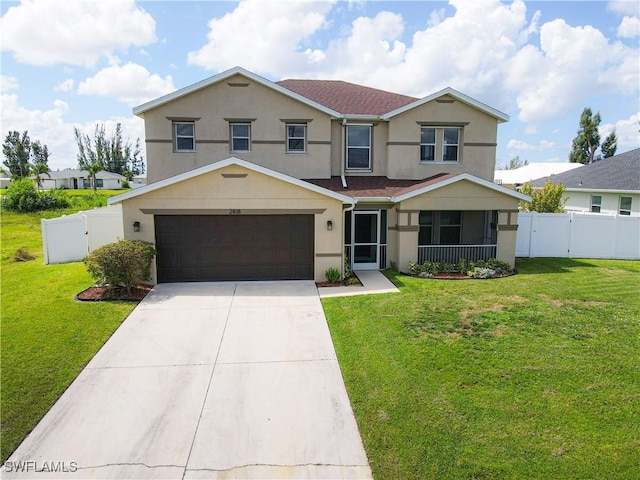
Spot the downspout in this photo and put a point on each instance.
(343, 160)
(348, 209)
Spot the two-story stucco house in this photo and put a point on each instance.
(250, 179)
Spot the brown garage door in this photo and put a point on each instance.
(194, 248)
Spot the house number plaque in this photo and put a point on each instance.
(234, 211)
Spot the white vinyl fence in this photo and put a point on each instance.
(71, 237)
(578, 235)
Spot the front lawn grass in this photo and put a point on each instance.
(534, 376)
(47, 337)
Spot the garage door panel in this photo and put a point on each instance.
(245, 247)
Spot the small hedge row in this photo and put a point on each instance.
(478, 269)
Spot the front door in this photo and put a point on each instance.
(366, 240)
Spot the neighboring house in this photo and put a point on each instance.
(251, 179)
(138, 181)
(5, 182)
(518, 176)
(610, 185)
(78, 180)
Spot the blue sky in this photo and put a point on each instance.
(78, 63)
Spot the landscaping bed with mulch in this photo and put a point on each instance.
(96, 293)
(464, 276)
(351, 281)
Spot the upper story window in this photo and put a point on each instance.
(427, 144)
(439, 144)
(596, 203)
(240, 137)
(185, 136)
(451, 139)
(625, 206)
(296, 138)
(358, 147)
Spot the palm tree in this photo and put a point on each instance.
(92, 170)
(39, 169)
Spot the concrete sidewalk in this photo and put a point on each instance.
(206, 380)
(373, 282)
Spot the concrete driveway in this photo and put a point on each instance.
(206, 380)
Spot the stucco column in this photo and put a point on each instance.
(408, 228)
(507, 232)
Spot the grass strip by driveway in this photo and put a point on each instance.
(532, 376)
(47, 337)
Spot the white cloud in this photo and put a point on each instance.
(65, 85)
(131, 84)
(8, 83)
(624, 7)
(271, 36)
(521, 146)
(75, 32)
(530, 129)
(50, 127)
(629, 27)
(627, 131)
(571, 63)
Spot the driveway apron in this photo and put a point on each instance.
(206, 381)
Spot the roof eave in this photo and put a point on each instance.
(222, 164)
(145, 107)
(500, 116)
(458, 178)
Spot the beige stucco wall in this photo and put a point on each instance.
(212, 105)
(477, 152)
(581, 202)
(256, 193)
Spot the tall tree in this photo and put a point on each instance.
(17, 153)
(92, 170)
(39, 169)
(610, 145)
(587, 140)
(112, 153)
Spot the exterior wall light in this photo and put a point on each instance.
(329, 225)
(136, 226)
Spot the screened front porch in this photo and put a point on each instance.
(446, 236)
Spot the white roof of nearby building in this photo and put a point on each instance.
(533, 171)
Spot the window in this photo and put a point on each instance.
(625, 206)
(426, 228)
(439, 144)
(86, 183)
(596, 203)
(451, 138)
(296, 138)
(427, 144)
(185, 138)
(240, 137)
(359, 147)
(450, 227)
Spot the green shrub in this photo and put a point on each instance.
(332, 274)
(22, 196)
(125, 184)
(424, 269)
(123, 264)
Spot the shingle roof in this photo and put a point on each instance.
(620, 172)
(377, 187)
(347, 98)
(72, 173)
